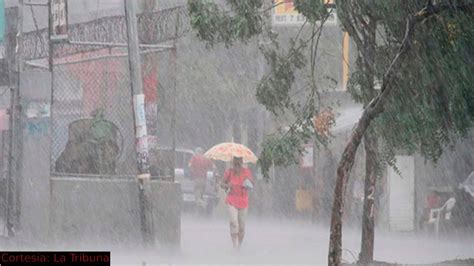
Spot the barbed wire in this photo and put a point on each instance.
(153, 28)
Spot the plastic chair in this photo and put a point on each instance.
(435, 214)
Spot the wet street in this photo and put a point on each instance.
(272, 241)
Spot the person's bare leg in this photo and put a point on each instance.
(241, 219)
(235, 240)
(241, 238)
(199, 192)
(234, 225)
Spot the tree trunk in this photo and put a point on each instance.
(372, 110)
(367, 245)
(343, 171)
(370, 143)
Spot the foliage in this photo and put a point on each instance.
(274, 90)
(214, 25)
(433, 99)
(324, 121)
(313, 10)
(276, 150)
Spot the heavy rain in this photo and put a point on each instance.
(196, 132)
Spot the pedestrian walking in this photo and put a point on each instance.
(237, 181)
(199, 166)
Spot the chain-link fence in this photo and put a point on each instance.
(92, 112)
(91, 108)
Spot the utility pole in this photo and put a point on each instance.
(144, 185)
(14, 27)
(16, 139)
(173, 108)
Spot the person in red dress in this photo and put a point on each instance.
(236, 181)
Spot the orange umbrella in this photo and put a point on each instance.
(225, 151)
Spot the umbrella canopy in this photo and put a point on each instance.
(225, 151)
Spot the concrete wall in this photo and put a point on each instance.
(86, 211)
(167, 200)
(101, 212)
(33, 184)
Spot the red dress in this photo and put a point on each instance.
(238, 196)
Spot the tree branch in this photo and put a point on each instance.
(431, 9)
